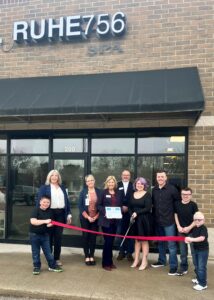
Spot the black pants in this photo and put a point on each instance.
(107, 259)
(56, 233)
(89, 239)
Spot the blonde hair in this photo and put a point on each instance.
(48, 179)
(108, 179)
(199, 214)
(89, 176)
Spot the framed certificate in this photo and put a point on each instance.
(113, 212)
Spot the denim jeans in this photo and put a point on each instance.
(39, 241)
(200, 258)
(184, 253)
(162, 246)
(128, 245)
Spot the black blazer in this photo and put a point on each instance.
(130, 190)
(105, 200)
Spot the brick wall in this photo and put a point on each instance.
(201, 169)
(161, 34)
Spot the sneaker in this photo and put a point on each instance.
(173, 272)
(121, 256)
(195, 281)
(199, 287)
(181, 273)
(58, 263)
(157, 265)
(36, 271)
(57, 269)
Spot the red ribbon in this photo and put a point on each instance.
(142, 238)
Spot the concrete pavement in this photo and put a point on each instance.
(82, 282)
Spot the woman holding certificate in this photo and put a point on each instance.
(109, 208)
(89, 214)
(140, 207)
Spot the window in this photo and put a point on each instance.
(2, 195)
(173, 165)
(172, 144)
(103, 166)
(27, 174)
(32, 146)
(3, 146)
(70, 145)
(113, 146)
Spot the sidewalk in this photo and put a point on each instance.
(82, 282)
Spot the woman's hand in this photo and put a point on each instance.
(69, 219)
(91, 220)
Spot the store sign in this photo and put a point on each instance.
(70, 28)
(104, 49)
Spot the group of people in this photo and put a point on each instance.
(165, 212)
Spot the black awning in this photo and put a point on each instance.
(159, 91)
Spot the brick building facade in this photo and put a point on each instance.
(160, 35)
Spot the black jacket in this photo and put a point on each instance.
(125, 198)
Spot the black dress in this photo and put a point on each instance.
(143, 222)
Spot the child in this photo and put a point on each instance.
(201, 251)
(184, 212)
(39, 222)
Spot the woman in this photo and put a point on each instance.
(60, 207)
(89, 214)
(140, 207)
(109, 198)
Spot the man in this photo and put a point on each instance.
(164, 196)
(184, 212)
(126, 188)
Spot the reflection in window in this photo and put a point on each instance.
(32, 146)
(27, 174)
(2, 195)
(3, 146)
(113, 146)
(70, 145)
(72, 173)
(102, 167)
(173, 165)
(173, 144)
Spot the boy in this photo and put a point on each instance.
(184, 212)
(199, 239)
(39, 222)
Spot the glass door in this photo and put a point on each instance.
(73, 173)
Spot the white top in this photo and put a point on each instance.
(125, 185)
(57, 197)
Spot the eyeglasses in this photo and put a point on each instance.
(90, 180)
(185, 194)
(199, 220)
